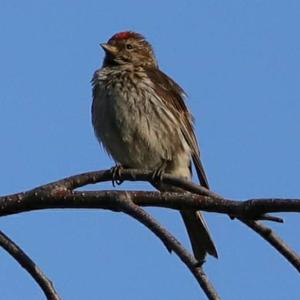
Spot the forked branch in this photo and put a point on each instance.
(62, 194)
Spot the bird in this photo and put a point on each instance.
(140, 117)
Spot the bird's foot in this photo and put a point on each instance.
(116, 174)
(158, 174)
(199, 263)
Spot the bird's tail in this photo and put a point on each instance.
(197, 229)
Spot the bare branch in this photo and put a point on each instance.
(171, 243)
(24, 260)
(58, 197)
(269, 235)
(61, 194)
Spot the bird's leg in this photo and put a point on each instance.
(116, 174)
(159, 172)
(200, 263)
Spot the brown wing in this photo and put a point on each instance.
(173, 97)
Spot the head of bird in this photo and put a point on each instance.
(128, 48)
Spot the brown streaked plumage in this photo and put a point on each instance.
(140, 117)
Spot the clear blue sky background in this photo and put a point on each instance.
(239, 63)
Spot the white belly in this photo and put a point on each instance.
(136, 132)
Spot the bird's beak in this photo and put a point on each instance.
(109, 48)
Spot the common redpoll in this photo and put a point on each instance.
(140, 117)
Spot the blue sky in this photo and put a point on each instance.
(239, 63)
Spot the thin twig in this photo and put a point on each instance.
(271, 237)
(42, 199)
(172, 244)
(61, 194)
(25, 261)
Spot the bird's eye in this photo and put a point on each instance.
(129, 47)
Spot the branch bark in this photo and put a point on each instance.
(270, 236)
(26, 262)
(62, 194)
(172, 244)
